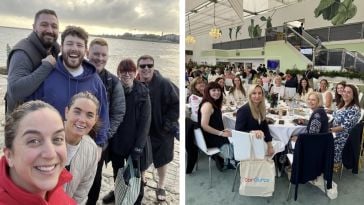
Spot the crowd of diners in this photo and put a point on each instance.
(245, 89)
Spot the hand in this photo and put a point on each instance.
(50, 59)
(258, 134)
(226, 133)
(270, 150)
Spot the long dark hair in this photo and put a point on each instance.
(300, 89)
(222, 88)
(207, 98)
(338, 97)
(355, 100)
(232, 89)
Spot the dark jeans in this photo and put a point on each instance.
(93, 194)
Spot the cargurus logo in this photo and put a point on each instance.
(256, 179)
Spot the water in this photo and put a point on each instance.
(165, 55)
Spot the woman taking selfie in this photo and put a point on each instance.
(32, 168)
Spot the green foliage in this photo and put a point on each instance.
(230, 31)
(336, 11)
(237, 31)
(332, 74)
(254, 30)
(269, 22)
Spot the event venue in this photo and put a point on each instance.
(274, 101)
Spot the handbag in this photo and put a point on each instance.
(127, 184)
(257, 176)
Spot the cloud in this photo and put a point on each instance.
(140, 15)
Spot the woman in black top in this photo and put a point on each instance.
(251, 116)
(210, 120)
(210, 117)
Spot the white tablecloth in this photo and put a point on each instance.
(279, 132)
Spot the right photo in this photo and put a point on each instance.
(274, 102)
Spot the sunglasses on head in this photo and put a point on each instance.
(146, 65)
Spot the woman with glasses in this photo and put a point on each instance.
(345, 118)
(131, 135)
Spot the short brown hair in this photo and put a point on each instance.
(145, 57)
(74, 31)
(44, 11)
(99, 41)
(126, 65)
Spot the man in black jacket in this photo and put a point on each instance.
(164, 97)
(32, 59)
(98, 55)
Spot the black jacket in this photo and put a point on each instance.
(313, 155)
(115, 100)
(351, 151)
(132, 133)
(164, 97)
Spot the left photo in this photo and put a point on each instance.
(90, 102)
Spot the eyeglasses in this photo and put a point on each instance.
(146, 65)
(127, 73)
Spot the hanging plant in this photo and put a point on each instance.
(336, 11)
(269, 22)
(254, 30)
(237, 31)
(230, 31)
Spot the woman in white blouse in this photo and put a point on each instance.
(278, 87)
(237, 92)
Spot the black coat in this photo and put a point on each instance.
(133, 131)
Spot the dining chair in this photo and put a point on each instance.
(313, 155)
(352, 150)
(201, 144)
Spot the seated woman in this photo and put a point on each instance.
(197, 88)
(251, 117)
(278, 87)
(345, 118)
(304, 89)
(32, 168)
(236, 93)
(210, 120)
(338, 92)
(326, 94)
(318, 122)
(81, 116)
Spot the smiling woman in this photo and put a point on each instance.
(82, 157)
(32, 168)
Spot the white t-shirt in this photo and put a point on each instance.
(71, 151)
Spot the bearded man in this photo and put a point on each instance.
(32, 59)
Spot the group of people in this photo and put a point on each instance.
(206, 100)
(66, 116)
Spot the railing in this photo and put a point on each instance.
(340, 57)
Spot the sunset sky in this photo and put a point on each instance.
(98, 16)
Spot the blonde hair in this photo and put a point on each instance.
(258, 112)
(318, 97)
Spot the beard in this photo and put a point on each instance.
(47, 39)
(72, 62)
